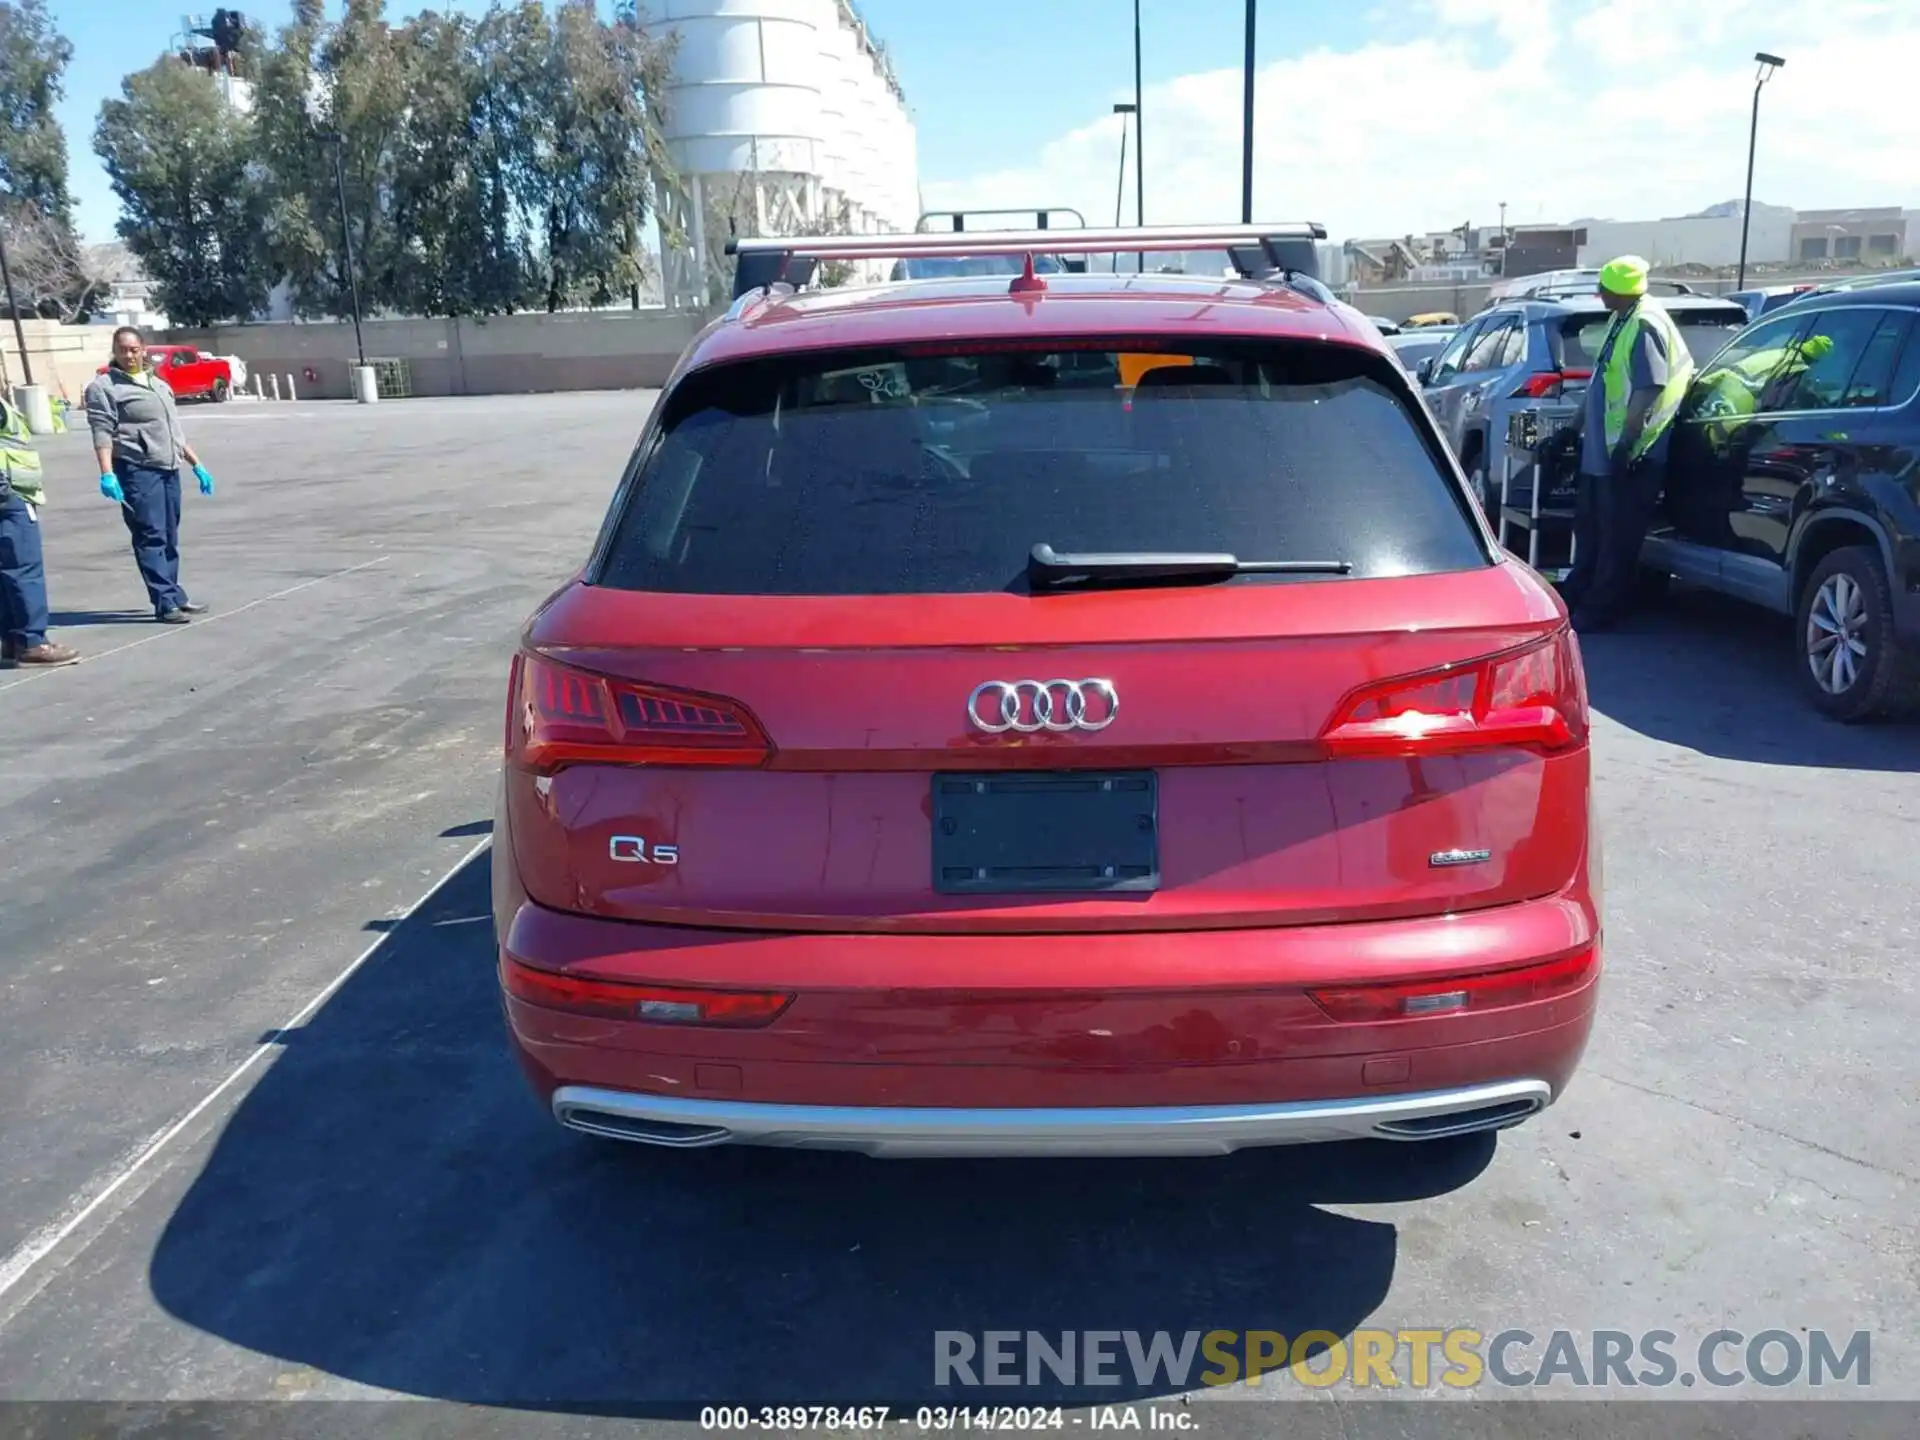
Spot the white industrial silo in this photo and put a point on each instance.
(903, 168)
(910, 167)
(849, 63)
(872, 142)
(832, 153)
(743, 124)
(777, 113)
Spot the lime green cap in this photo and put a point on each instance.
(1626, 275)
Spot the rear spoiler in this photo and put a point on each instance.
(1256, 250)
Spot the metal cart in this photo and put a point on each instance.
(1532, 500)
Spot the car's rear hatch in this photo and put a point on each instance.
(812, 685)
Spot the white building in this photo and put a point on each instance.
(1710, 238)
(783, 117)
(129, 292)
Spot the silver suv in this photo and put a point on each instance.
(1525, 351)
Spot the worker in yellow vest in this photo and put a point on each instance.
(1639, 380)
(23, 574)
(1737, 390)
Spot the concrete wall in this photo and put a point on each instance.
(63, 357)
(497, 355)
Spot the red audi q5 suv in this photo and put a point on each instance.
(1075, 713)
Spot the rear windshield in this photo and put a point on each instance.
(1581, 336)
(940, 267)
(938, 470)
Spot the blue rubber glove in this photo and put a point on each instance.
(206, 480)
(110, 487)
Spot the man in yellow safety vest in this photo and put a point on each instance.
(23, 574)
(1639, 380)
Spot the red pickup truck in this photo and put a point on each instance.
(192, 375)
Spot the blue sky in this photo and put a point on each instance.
(1375, 117)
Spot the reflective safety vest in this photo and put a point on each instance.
(1617, 379)
(1733, 393)
(21, 462)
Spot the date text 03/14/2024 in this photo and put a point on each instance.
(940, 1418)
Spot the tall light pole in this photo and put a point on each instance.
(1246, 129)
(13, 309)
(338, 142)
(1120, 185)
(1768, 64)
(1140, 145)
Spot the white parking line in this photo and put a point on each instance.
(17, 1266)
(197, 624)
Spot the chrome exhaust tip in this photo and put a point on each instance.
(608, 1126)
(1462, 1122)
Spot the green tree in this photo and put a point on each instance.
(490, 165)
(459, 161)
(33, 150)
(599, 150)
(193, 208)
(348, 81)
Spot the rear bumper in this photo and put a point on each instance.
(1130, 1131)
(1196, 1042)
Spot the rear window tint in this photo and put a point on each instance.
(1581, 337)
(928, 472)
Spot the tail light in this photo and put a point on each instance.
(1532, 698)
(560, 715)
(1547, 384)
(1484, 990)
(657, 1004)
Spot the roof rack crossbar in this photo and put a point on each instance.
(963, 244)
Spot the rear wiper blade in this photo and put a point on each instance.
(1046, 567)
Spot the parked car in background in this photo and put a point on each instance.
(1872, 280)
(1411, 347)
(1532, 350)
(1432, 320)
(1564, 285)
(190, 374)
(1384, 325)
(1540, 350)
(1768, 299)
(1794, 483)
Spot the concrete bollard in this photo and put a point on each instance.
(366, 385)
(290, 394)
(274, 382)
(34, 407)
(259, 388)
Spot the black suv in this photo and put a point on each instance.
(1795, 484)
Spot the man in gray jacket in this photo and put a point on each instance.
(139, 444)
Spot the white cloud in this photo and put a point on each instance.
(1624, 109)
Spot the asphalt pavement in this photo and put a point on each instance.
(227, 1173)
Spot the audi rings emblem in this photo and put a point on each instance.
(1027, 707)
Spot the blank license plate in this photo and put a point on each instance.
(1095, 831)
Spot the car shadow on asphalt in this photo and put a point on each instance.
(390, 1205)
(1714, 675)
